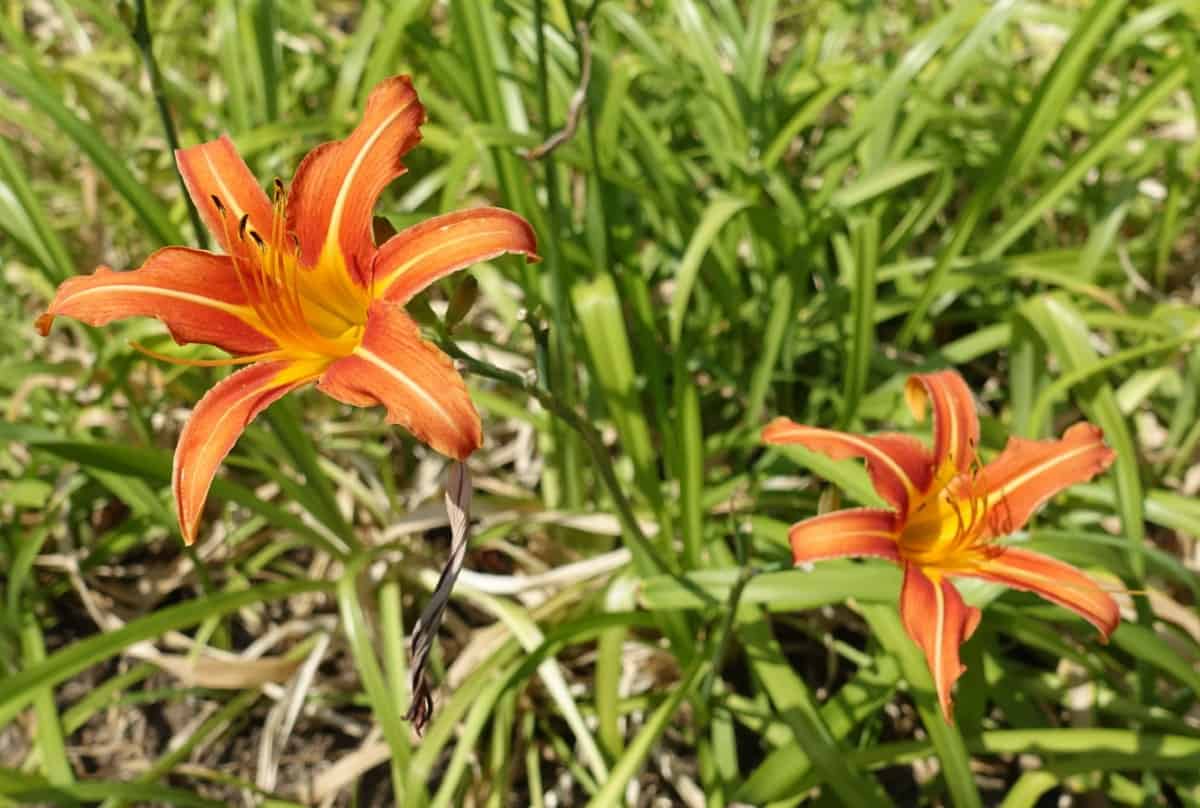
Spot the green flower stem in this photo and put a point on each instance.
(145, 43)
(562, 354)
(590, 437)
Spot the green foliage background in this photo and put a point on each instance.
(767, 208)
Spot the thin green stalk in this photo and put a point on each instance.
(724, 632)
(591, 439)
(582, 28)
(562, 355)
(144, 40)
(1063, 384)
(57, 259)
(690, 463)
(49, 733)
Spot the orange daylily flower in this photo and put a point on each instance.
(303, 294)
(948, 514)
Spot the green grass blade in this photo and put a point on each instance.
(483, 709)
(1116, 136)
(353, 63)
(947, 740)
(1068, 339)
(266, 52)
(883, 182)
(782, 590)
(155, 465)
(31, 790)
(19, 689)
(953, 71)
(530, 637)
(613, 790)
(689, 466)
(388, 712)
(794, 703)
(43, 239)
(785, 769)
(48, 736)
(1025, 137)
(715, 216)
(148, 208)
(386, 49)
(602, 324)
(756, 46)
(783, 310)
(284, 418)
(862, 270)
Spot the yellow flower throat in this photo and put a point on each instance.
(312, 313)
(946, 527)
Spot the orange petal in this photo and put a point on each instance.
(938, 620)
(336, 185)
(1054, 580)
(216, 169)
(196, 293)
(417, 383)
(1029, 472)
(416, 257)
(900, 467)
(955, 425)
(217, 422)
(854, 532)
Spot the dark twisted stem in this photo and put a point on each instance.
(458, 501)
(458, 509)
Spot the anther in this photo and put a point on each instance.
(216, 200)
(262, 245)
(278, 188)
(242, 226)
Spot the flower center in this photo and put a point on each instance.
(946, 528)
(314, 312)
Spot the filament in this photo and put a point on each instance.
(209, 363)
(271, 283)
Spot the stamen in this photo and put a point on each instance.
(271, 283)
(286, 272)
(1003, 510)
(208, 363)
(961, 527)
